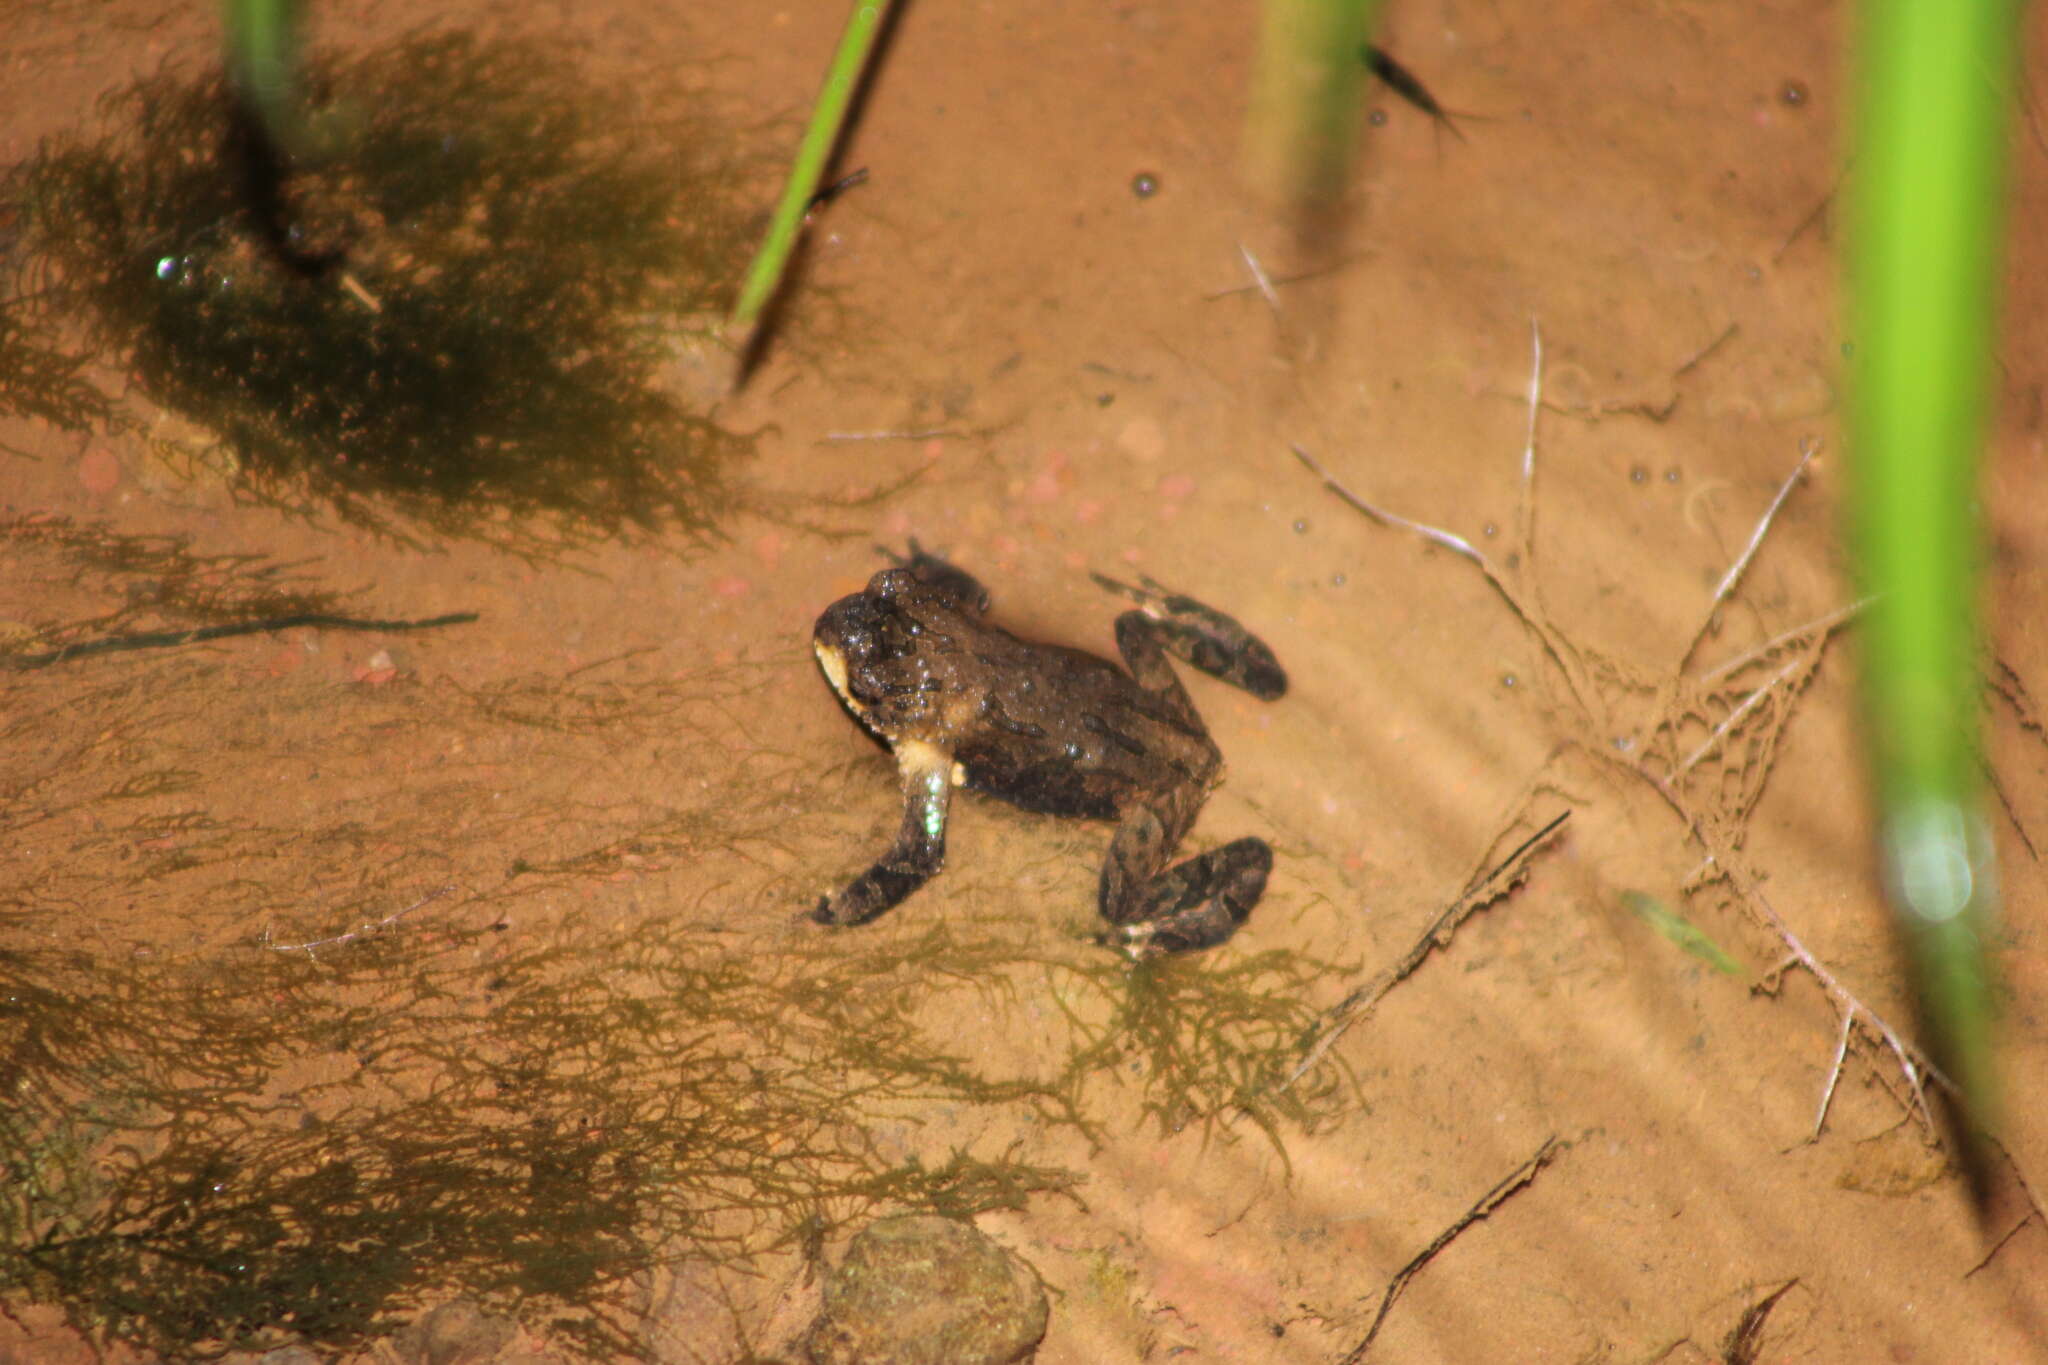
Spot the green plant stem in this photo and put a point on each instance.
(827, 118)
(1303, 123)
(1930, 136)
(263, 65)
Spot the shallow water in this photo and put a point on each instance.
(629, 779)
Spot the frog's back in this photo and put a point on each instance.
(1073, 735)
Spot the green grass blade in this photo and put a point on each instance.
(1304, 116)
(1930, 144)
(827, 118)
(263, 64)
(1680, 930)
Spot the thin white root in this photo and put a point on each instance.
(1756, 539)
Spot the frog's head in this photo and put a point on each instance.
(875, 649)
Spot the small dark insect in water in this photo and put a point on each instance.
(833, 191)
(1403, 82)
(1793, 93)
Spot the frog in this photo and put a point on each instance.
(961, 702)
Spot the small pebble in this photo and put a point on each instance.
(917, 1289)
(378, 670)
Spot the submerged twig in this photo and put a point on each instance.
(1455, 543)
(1813, 215)
(1281, 281)
(1482, 890)
(1827, 1094)
(1820, 624)
(1560, 649)
(170, 639)
(925, 434)
(1737, 716)
(1756, 538)
(1513, 1184)
(1259, 277)
(1726, 335)
(361, 930)
(1629, 753)
(1525, 507)
(1912, 1064)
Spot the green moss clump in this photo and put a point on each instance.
(506, 268)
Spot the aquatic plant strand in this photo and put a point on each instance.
(1302, 126)
(263, 65)
(827, 118)
(1930, 134)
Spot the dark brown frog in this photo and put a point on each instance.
(962, 702)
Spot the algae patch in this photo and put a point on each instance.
(203, 1157)
(513, 265)
(1206, 1042)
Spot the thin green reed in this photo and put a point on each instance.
(1935, 80)
(828, 117)
(263, 65)
(1302, 129)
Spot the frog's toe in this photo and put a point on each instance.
(1189, 931)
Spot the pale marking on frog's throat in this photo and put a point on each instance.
(833, 660)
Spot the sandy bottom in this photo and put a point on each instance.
(600, 806)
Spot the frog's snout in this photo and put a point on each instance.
(848, 627)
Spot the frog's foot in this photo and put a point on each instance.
(882, 887)
(1208, 639)
(1196, 904)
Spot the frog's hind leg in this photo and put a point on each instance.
(1195, 904)
(1210, 640)
(1155, 909)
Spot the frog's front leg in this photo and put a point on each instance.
(1195, 904)
(920, 847)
